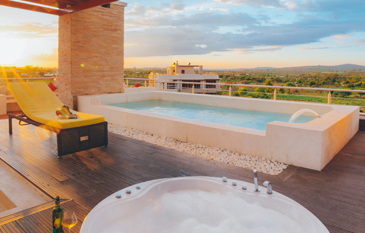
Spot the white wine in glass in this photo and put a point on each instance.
(69, 220)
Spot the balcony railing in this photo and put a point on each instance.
(276, 95)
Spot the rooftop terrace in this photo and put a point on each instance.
(335, 194)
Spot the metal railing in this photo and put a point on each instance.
(26, 79)
(274, 88)
(11, 98)
(140, 79)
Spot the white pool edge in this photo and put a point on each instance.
(311, 145)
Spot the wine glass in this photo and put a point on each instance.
(69, 220)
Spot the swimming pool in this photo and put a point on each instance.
(221, 115)
(311, 145)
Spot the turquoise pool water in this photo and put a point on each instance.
(220, 115)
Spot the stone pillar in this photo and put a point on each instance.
(91, 53)
(201, 72)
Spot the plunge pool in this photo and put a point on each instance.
(221, 115)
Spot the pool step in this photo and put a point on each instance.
(362, 123)
(21, 214)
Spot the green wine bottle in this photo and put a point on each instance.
(57, 217)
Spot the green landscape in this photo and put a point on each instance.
(333, 78)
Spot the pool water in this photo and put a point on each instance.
(226, 116)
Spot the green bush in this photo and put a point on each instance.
(242, 92)
(260, 89)
(341, 94)
(350, 85)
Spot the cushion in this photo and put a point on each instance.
(53, 87)
(39, 103)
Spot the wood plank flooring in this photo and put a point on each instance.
(336, 195)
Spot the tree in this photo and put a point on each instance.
(260, 89)
(289, 84)
(350, 85)
(268, 82)
(312, 83)
(358, 84)
(242, 91)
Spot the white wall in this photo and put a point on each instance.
(139, 89)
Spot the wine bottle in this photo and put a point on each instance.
(57, 216)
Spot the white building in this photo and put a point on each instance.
(187, 73)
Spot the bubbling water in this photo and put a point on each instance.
(196, 211)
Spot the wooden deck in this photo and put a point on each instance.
(335, 195)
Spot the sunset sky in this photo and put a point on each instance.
(216, 33)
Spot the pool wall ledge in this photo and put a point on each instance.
(310, 145)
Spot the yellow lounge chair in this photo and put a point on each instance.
(39, 105)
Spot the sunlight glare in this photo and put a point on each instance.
(10, 51)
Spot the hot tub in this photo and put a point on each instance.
(199, 204)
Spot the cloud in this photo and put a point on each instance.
(47, 57)
(29, 30)
(175, 5)
(335, 6)
(219, 9)
(213, 19)
(263, 49)
(341, 36)
(163, 31)
(204, 46)
(137, 10)
(255, 3)
(359, 42)
(314, 48)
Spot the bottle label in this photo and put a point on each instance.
(57, 223)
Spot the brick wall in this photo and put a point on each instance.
(91, 53)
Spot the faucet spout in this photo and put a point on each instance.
(256, 181)
(269, 187)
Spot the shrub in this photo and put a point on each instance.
(350, 85)
(341, 94)
(242, 91)
(289, 84)
(260, 89)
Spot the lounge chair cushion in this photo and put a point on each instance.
(39, 103)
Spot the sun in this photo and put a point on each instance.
(11, 50)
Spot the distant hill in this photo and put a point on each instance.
(339, 68)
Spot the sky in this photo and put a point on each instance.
(217, 34)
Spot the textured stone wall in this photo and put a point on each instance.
(91, 53)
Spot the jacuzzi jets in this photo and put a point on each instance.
(199, 204)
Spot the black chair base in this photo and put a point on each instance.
(71, 140)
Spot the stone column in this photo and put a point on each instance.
(91, 53)
(201, 72)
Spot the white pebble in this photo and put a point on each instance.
(264, 165)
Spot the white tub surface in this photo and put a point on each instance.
(157, 206)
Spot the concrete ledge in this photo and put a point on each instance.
(139, 89)
(311, 145)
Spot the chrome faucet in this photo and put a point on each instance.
(269, 187)
(256, 181)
